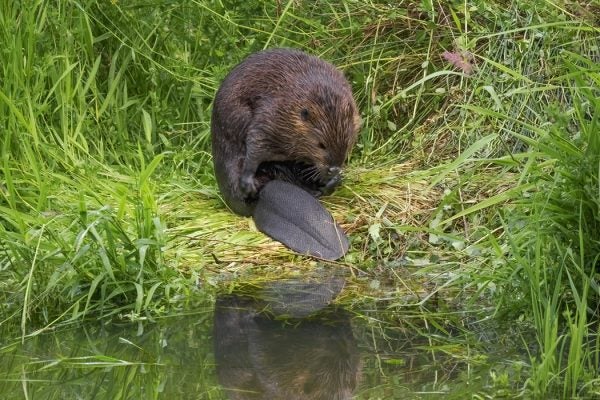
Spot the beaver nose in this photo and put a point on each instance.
(333, 171)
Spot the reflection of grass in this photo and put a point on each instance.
(169, 358)
(174, 357)
(465, 192)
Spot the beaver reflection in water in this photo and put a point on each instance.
(281, 114)
(260, 358)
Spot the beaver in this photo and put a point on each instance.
(259, 355)
(281, 114)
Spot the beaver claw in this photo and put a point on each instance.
(330, 185)
(248, 187)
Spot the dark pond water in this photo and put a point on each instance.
(281, 341)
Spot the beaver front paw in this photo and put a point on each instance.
(330, 185)
(248, 187)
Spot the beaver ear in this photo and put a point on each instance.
(304, 114)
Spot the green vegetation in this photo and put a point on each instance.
(472, 198)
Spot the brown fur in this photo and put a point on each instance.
(281, 114)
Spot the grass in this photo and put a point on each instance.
(562, 252)
(467, 190)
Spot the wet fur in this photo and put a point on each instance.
(281, 114)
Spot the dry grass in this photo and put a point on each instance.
(223, 249)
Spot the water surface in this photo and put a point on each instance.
(275, 345)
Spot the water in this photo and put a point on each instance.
(280, 341)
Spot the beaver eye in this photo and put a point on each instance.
(322, 145)
(304, 114)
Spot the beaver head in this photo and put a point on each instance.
(317, 126)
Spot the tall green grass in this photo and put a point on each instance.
(102, 101)
(555, 235)
(84, 131)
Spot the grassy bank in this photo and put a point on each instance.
(473, 191)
